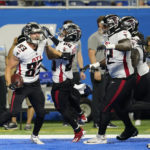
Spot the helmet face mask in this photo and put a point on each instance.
(129, 23)
(70, 32)
(30, 30)
(112, 22)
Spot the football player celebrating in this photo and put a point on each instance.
(27, 57)
(120, 84)
(76, 101)
(63, 91)
(142, 89)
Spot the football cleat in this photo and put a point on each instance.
(127, 133)
(78, 135)
(28, 127)
(10, 126)
(148, 145)
(99, 139)
(82, 119)
(36, 140)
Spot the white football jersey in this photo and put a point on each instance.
(119, 62)
(62, 69)
(30, 60)
(142, 67)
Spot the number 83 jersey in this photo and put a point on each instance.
(29, 60)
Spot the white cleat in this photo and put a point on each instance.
(99, 139)
(148, 146)
(36, 140)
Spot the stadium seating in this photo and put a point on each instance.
(53, 3)
(2, 3)
(99, 3)
(11, 3)
(76, 3)
(124, 3)
(148, 3)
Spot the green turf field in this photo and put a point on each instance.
(57, 128)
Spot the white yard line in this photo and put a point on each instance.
(59, 136)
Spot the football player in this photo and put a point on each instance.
(27, 57)
(142, 85)
(120, 83)
(63, 91)
(76, 101)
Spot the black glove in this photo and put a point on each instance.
(13, 86)
(66, 56)
(141, 42)
(46, 32)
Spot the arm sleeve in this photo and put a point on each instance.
(55, 40)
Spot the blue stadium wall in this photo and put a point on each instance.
(85, 18)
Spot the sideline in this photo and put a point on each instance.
(60, 136)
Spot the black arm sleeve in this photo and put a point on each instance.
(55, 40)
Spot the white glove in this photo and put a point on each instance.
(80, 87)
(109, 45)
(95, 65)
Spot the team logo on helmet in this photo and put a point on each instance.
(112, 22)
(70, 32)
(130, 23)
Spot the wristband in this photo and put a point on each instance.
(110, 46)
(81, 70)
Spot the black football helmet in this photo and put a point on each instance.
(112, 22)
(31, 28)
(130, 23)
(70, 32)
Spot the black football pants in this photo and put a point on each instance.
(34, 92)
(62, 97)
(118, 93)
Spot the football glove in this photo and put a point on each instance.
(47, 34)
(13, 86)
(66, 56)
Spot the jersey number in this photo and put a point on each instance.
(110, 55)
(69, 65)
(32, 67)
